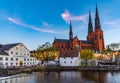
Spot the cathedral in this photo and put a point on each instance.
(94, 40)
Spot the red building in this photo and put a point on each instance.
(94, 39)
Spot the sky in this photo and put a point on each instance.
(34, 22)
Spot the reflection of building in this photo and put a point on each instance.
(13, 54)
(95, 39)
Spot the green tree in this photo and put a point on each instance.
(86, 55)
(105, 51)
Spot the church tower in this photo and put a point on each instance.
(90, 28)
(70, 32)
(98, 33)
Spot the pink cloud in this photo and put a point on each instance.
(67, 16)
(33, 27)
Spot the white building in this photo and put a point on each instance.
(13, 54)
(71, 58)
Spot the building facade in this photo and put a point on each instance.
(15, 54)
(71, 58)
(94, 39)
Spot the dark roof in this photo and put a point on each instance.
(86, 42)
(69, 54)
(6, 47)
(62, 40)
(3, 52)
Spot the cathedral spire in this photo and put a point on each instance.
(97, 20)
(90, 26)
(70, 33)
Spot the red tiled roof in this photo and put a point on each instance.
(71, 53)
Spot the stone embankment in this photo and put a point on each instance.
(12, 71)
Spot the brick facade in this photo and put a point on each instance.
(95, 38)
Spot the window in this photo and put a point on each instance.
(6, 58)
(16, 59)
(28, 54)
(24, 59)
(1, 58)
(65, 62)
(24, 63)
(11, 52)
(11, 63)
(16, 53)
(27, 59)
(71, 61)
(6, 63)
(16, 48)
(11, 59)
(71, 57)
(30, 59)
(64, 57)
(16, 63)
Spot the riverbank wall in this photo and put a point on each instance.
(12, 71)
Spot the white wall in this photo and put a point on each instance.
(18, 53)
(68, 61)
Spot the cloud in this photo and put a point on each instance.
(113, 22)
(33, 27)
(67, 16)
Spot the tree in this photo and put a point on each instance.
(86, 55)
(46, 52)
(113, 46)
(106, 51)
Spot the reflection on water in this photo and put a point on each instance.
(64, 77)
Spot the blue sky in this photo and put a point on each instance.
(34, 22)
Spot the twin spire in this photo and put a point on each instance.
(97, 22)
(70, 33)
(90, 26)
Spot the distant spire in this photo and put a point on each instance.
(70, 33)
(97, 20)
(90, 26)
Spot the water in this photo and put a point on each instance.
(64, 77)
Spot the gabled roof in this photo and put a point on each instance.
(86, 42)
(62, 40)
(6, 47)
(72, 53)
(3, 52)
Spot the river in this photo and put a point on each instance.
(64, 77)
